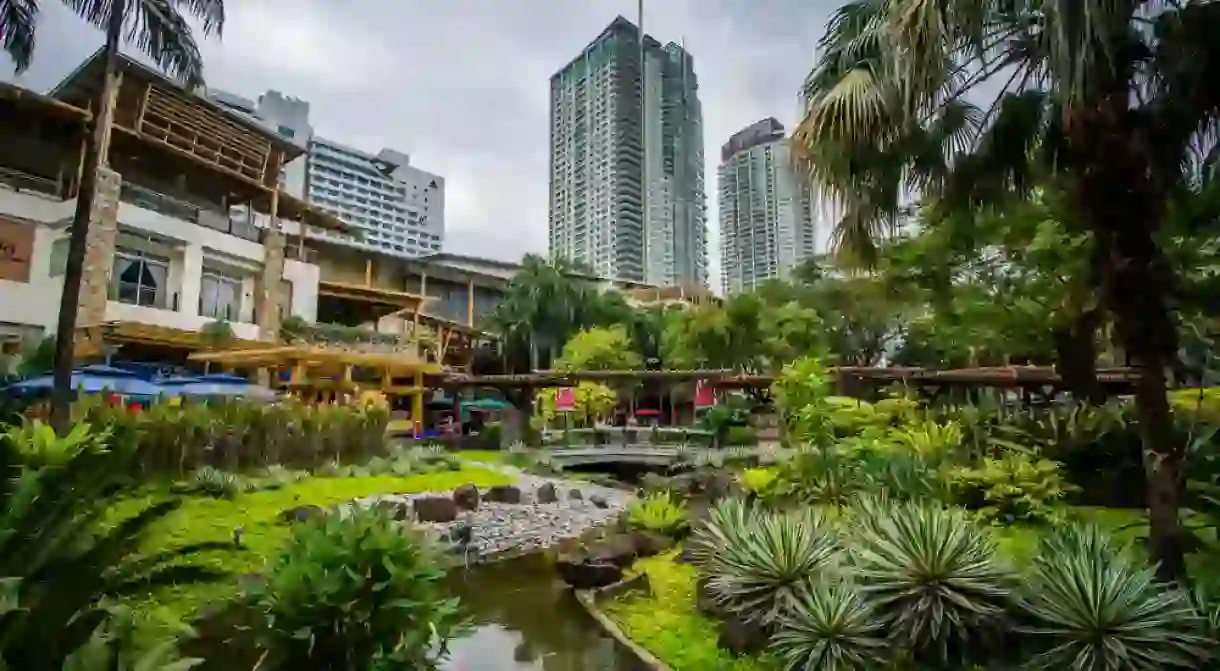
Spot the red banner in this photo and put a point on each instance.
(565, 400)
(705, 394)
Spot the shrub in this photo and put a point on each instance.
(773, 557)
(725, 525)
(113, 646)
(353, 592)
(829, 625)
(37, 444)
(1095, 606)
(659, 513)
(933, 576)
(740, 435)
(1014, 487)
(929, 439)
(760, 482)
(825, 476)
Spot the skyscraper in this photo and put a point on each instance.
(766, 212)
(627, 194)
(399, 208)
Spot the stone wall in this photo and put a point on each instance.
(269, 285)
(99, 249)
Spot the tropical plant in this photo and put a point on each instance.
(1012, 488)
(822, 476)
(933, 576)
(775, 555)
(64, 557)
(1113, 103)
(800, 391)
(160, 30)
(114, 647)
(659, 512)
(599, 349)
(355, 592)
(929, 439)
(759, 482)
(38, 446)
(830, 626)
(726, 524)
(1095, 606)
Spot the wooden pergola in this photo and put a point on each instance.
(326, 372)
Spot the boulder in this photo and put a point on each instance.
(586, 574)
(648, 544)
(598, 501)
(466, 497)
(435, 509)
(742, 637)
(619, 550)
(301, 514)
(546, 494)
(503, 494)
(575, 495)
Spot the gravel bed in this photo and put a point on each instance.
(501, 530)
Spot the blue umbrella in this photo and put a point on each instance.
(220, 384)
(91, 380)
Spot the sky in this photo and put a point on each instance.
(462, 86)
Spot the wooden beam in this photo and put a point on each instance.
(105, 118)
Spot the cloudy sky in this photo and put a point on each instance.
(462, 85)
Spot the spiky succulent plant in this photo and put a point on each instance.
(829, 626)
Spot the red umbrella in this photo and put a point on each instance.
(647, 412)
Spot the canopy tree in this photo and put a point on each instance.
(1116, 101)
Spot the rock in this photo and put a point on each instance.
(619, 550)
(399, 510)
(462, 533)
(435, 509)
(466, 497)
(648, 544)
(588, 574)
(503, 494)
(575, 495)
(301, 514)
(742, 637)
(599, 501)
(546, 494)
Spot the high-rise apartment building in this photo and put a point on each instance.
(627, 193)
(398, 208)
(767, 219)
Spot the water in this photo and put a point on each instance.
(526, 619)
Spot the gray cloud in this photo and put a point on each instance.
(462, 85)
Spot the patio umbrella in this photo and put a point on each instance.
(484, 404)
(220, 384)
(90, 380)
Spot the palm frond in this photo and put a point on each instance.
(18, 30)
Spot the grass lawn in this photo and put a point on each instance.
(484, 456)
(202, 519)
(667, 624)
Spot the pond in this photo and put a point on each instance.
(526, 619)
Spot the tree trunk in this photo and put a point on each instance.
(1111, 154)
(514, 425)
(65, 330)
(1076, 352)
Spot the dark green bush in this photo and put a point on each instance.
(741, 435)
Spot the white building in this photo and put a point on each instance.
(399, 208)
(767, 218)
(626, 184)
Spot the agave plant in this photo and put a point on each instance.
(830, 626)
(933, 575)
(726, 525)
(1096, 607)
(774, 557)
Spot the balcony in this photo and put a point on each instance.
(177, 208)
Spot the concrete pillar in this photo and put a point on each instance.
(99, 250)
(192, 274)
(269, 285)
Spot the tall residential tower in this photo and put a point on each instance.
(627, 194)
(766, 214)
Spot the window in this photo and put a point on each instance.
(139, 279)
(286, 132)
(59, 257)
(219, 296)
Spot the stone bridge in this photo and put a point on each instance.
(645, 455)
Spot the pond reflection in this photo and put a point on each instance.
(527, 620)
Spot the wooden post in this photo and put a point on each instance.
(368, 272)
(417, 401)
(470, 302)
(423, 284)
(106, 120)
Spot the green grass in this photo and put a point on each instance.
(666, 623)
(203, 519)
(484, 456)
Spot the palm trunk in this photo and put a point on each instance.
(65, 331)
(1076, 352)
(1124, 207)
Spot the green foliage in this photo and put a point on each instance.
(760, 482)
(831, 627)
(355, 592)
(591, 402)
(659, 512)
(929, 439)
(64, 558)
(599, 349)
(800, 393)
(932, 574)
(770, 558)
(114, 646)
(1012, 488)
(35, 441)
(1096, 607)
(740, 435)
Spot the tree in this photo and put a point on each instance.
(1116, 101)
(599, 349)
(160, 30)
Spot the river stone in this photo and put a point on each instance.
(598, 501)
(546, 494)
(648, 544)
(588, 575)
(301, 514)
(503, 494)
(466, 497)
(619, 550)
(435, 509)
(575, 495)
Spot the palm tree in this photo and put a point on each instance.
(1117, 101)
(158, 29)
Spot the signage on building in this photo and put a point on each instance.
(565, 400)
(705, 394)
(16, 250)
